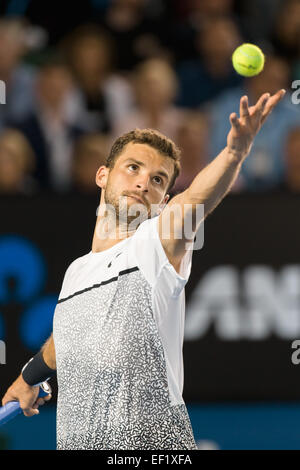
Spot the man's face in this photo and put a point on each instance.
(140, 172)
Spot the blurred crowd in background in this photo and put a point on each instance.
(76, 80)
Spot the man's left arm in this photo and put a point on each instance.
(212, 183)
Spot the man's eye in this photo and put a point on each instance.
(133, 165)
(159, 179)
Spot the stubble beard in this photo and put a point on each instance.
(125, 215)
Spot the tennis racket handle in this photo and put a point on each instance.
(12, 408)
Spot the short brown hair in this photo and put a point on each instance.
(153, 138)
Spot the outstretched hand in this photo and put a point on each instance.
(244, 128)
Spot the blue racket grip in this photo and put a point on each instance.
(12, 408)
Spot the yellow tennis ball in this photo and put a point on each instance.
(248, 60)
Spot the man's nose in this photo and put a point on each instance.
(143, 183)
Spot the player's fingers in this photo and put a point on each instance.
(30, 412)
(260, 105)
(39, 402)
(244, 109)
(272, 102)
(234, 121)
(7, 397)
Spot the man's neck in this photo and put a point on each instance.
(108, 232)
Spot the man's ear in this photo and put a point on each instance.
(102, 176)
(163, 204)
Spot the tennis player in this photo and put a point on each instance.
(118, 325)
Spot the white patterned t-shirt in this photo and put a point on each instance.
(118, 333)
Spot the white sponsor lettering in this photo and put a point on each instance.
(250, 304)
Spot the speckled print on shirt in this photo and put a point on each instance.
(112, 380)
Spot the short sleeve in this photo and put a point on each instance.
(64, 286)
(152, 260)
(67, 287)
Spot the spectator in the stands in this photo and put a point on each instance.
(102, 95)
(186, 20)
(137, 34)
(90, 152)
(292, 161)
(192, 139)
(51, 128)
(207, 9)
(254, 22)
(18, 77)
(263, 169)
(17, 162)
(286, 34)
(204, 78)
(155, 85)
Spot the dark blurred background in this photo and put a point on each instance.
(77, 76)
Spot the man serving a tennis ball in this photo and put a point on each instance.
(118, 325)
